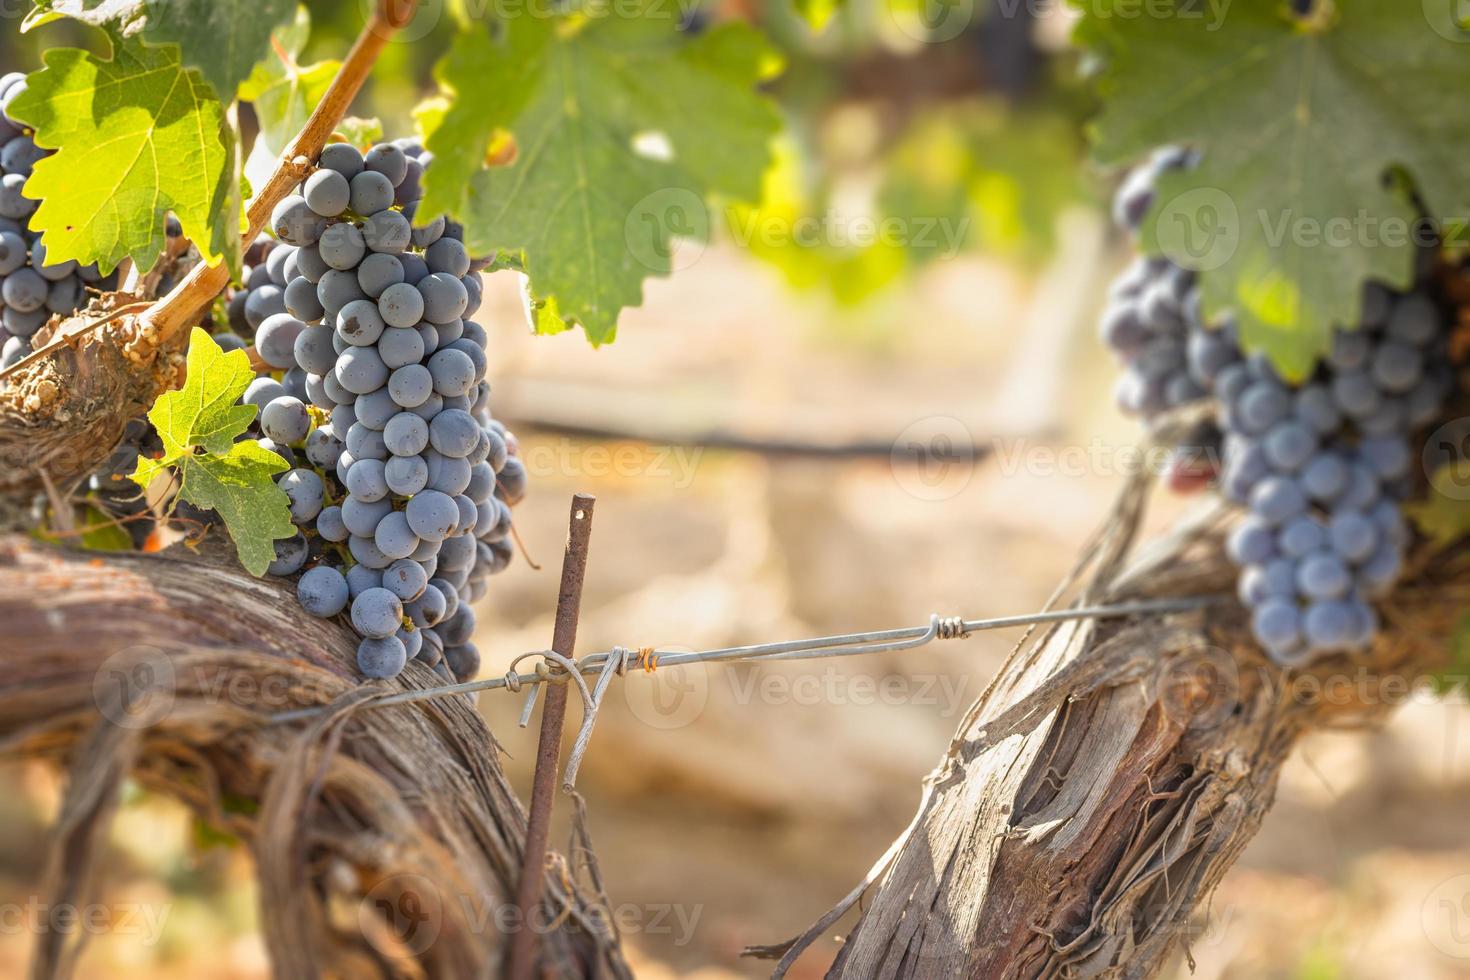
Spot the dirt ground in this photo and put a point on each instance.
(734, 805)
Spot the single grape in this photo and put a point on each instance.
(411, 385)
(1275, 500)
(1353, 536)
(323, 591)
(381, 658)
(394, 537)
(365, 443)
(296, 223)
(362, 516)
(445, 297)
(360, 370)
(285, 420)
(1288, 446)
(406, 579)
(365, 480)
(291, 554)
(343, 158)
(412, 640)
(406, 475)
(342, 247)
(302, 302)
(453, 372)
(463, 660)
(1323, 576)
(306, 493)
(359, 323)
(371, 192)
(275, 340)
(360, 578)
(375, 408)
(449, 256)
(401, 304)
(387, 231)
(262, 391)
(429, 608)
(365, 550)
(1302, 536)
(400, 347)
(446, 473)
(388, 160)
(313, 350)
(329, 524)
(453, 432)
(327, 193)
(24, 290)
(406, 434)
(377, 272)
(1329, 625)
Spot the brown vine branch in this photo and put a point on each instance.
(174, 313)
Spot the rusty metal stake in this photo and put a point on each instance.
(548, 748)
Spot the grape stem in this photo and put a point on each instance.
(173, 314)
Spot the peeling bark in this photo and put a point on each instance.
(1094, 797)
(387, 840)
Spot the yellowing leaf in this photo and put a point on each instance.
(136, 136)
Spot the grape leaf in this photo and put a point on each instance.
(1298, 123)
(198, 424)
(135, 136)
(224, 39)
(624, 127)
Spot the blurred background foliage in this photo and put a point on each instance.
(916, 129)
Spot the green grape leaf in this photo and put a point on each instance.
(204, 412)
(198, 424)
(283, 92)
(238, 487)
(135, 136)
(1298, 123)
(223, 39)
(623, 128)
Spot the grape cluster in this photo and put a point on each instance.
(402, 482)
(1153, 309)
(1322, 467)
(30, 290)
